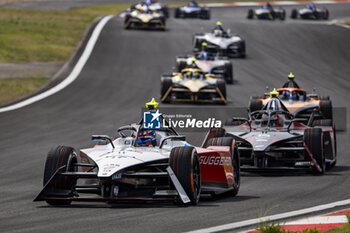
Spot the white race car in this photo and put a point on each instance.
(226, 44)
(142, 165)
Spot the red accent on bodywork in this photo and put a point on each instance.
(216, 164)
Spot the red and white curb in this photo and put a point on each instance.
(280, 3)
(322, 223)
(273, 218)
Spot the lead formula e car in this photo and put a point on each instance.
(267, 12)
(142, 164)
(144, 18)
(310, 13)
(273, 139)
(192, 10)
(210, 64)
(218, 42)
(192, 85)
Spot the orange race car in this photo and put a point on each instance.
(297, 101)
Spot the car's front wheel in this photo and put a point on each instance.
(185, 164)
(57, 158)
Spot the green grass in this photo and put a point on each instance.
(28, 35)
(14, 88)
(276, 228)
(342, 229)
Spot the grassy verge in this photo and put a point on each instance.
(46, 35)
(276, 228)
(14, 88)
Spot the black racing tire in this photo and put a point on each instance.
(205, 14)
(326, 14)
(256, 97)
(166, 11)
(283, 15)
(255, 105)
(229, 141)
(250, 14)
(324, 98)
(228, 73)
(326, 122)
(181, 65)
(326, 109)
(231, 122)
(165, 84)
(314, 142)
(219, 132)
(177, 13)
(294, 14)
(222, 87)
(185, 164)
(56, 158)
(126, 19)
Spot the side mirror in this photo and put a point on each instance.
(102, 137)
(172, 138)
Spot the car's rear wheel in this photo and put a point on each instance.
(250, 14)
(283, 15)
(231, 122)
(326, 14)
(180, 65)
(314, 142)
(326, 109)
(229, 73)
(294, 14)
(165, 84)
(222, 87)
(185, 164)
(229, 141)
(56, 158)
(255, 105)
(177, 13)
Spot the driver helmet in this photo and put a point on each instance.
(193, 4)
(149, 1)
(195, 75)
(291, 76)
(147, 138)
(145, 8)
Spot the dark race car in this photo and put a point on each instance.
(310, 12)
(273, 139)
(267, 12)
(144, 163)
(192, 10)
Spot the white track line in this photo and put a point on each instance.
(246, 223)
(72, 76)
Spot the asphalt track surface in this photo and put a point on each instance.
(122, 73)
